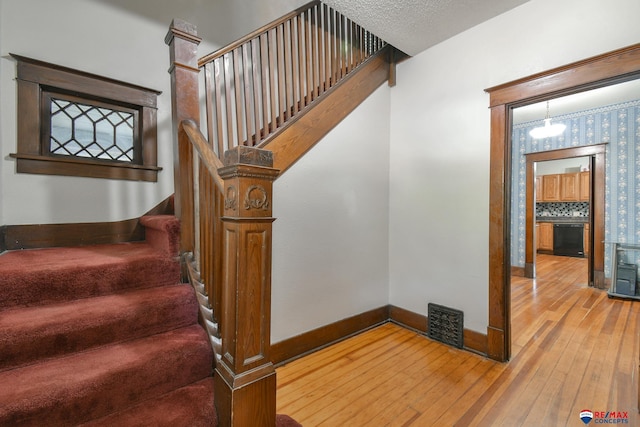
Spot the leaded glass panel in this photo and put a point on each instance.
(91, 131)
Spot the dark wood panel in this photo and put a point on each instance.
(409, 319)
(307, 342)
(33, 236)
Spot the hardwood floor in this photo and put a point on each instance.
(573, 349)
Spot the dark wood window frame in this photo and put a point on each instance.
(37, 80)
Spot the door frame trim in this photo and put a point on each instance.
(599, 71)
(596, 154)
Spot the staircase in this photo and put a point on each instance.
(266, 100)
(103, 335)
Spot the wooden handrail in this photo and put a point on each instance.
(211, 162)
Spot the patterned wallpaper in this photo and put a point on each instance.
(617, 125)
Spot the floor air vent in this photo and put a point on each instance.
(445, 325)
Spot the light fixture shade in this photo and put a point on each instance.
(548, 130)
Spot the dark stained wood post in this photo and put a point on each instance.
(183, 47)
(245, 379)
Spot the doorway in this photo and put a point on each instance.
(594, 161)
(614, 67)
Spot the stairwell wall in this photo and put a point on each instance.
(330, 238)
(118, 39)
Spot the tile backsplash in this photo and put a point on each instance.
(555, 209)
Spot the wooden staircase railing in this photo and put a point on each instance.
(258, 84)
(256, 95)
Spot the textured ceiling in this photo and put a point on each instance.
(415, 25)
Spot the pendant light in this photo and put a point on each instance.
(548, 130)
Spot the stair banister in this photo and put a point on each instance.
(258, 96)
(244, 380)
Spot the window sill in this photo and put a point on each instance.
(73, 166)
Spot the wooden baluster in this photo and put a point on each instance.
(257, 91)
(295, 65)
(183, 45)
(288, 70)
(280, 48)
(209, 90)
(342, 43)
(310, 56)
(246, 71)
(228, 96)
(237, 85)
(219, 87)
(273, 86)
(320, 49)
(332, 43)
(302, 61)
(245, 379)
(266, 91)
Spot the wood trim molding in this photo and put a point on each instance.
(40, 82)
(472, 340)
(32, 236)
(308, 342)
(596, 153)
(316, 339)
(613, 67)
(518, 271)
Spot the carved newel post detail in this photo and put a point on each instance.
(245, 377)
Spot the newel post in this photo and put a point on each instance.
(245, 379)
(183, 48)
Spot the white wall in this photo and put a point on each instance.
(439, 171)
(330, 239)
(117, 39)
(561, 165)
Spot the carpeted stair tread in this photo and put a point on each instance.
(162, 232)
(192, 406)
(43, 276)
(29, 334)
(80, 387)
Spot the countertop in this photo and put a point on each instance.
(563, 219)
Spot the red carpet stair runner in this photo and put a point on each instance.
(103, 335)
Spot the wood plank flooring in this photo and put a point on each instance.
(573, 349)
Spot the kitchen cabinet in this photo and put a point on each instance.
(544, 236)
(563, 187)
(585, 240)
(585, 186)
(539, 188)
(551, 188)
(570, 187)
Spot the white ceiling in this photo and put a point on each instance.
(416, 25)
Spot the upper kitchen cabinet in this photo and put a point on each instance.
(551, 188)
(585, 186)
(570, 187)
(539, 196)
(563, 187)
